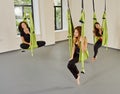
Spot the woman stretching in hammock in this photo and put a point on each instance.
(79, 42)
(25, 36)
(98, 35)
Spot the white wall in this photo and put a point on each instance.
(61, 35)
(113, 17)
(8, 32)
(46, 12)
(36, 16)
(10, 41)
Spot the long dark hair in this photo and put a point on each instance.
(96, 30)
(20, 26)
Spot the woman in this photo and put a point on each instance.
(98, 34)
(78, 43)
(25, 36)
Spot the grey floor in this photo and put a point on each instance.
(46, 72)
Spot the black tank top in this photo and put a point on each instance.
(26, 36)
(77, 49)
(98, 34)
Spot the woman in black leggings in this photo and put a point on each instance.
(98, 34)
(77, 40)
(25, 36)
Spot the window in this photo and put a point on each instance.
(58, 14)
(21, 7)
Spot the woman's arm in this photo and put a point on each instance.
(94, 34)
(73, 51)
(23, 41)
(100, 31)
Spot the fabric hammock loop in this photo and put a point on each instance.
(81, 21)
(94, 18)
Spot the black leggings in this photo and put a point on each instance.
(97, 45)
(26, 46)
(72, 67)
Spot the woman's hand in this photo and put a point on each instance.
(29, 44)
(23, 41)
(71, 58)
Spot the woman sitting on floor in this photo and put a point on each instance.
(24, 30)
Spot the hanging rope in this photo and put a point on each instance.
(70, 28)
(28, 18)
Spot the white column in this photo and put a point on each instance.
(8, 32)
(46, 13)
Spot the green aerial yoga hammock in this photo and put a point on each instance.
(83, 55)
(32, 33)
(70, 29)
(104, 26)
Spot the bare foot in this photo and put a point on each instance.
(78, 80)
(93, 59)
